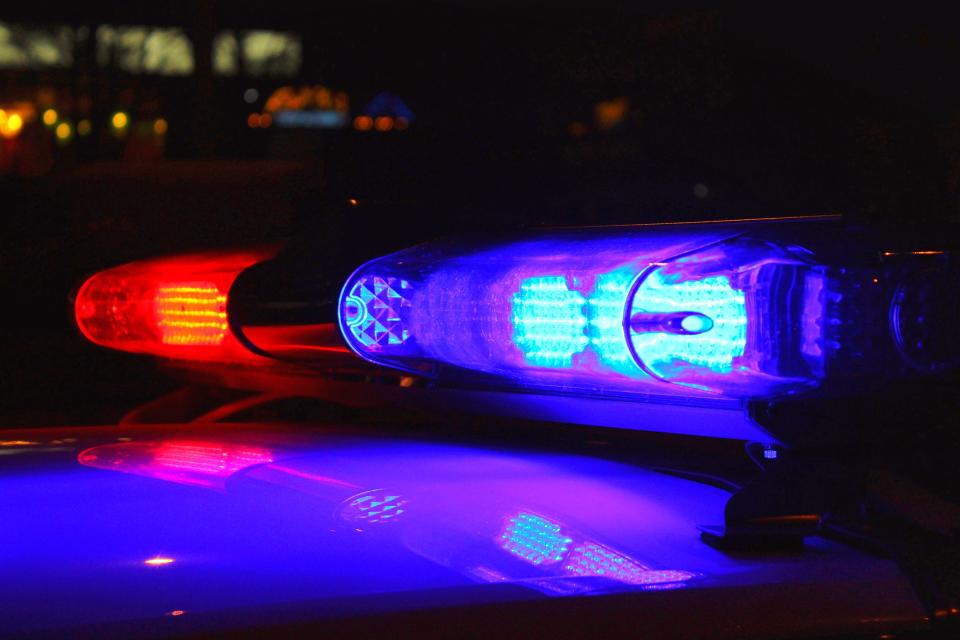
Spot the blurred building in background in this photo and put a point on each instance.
(617, 114)
(70, 93)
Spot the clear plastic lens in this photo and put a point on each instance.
(626, 311)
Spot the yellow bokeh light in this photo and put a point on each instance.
(160, 126)
(158, 562)
(63, 131)
(50, 117)
(119, 120)
(15, 122)
(84, 127)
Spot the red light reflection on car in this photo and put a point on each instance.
(205, 464)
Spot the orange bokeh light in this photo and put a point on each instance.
(362, 123)
(383, 123)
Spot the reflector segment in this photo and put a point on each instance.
(712, 333)
(376, 311)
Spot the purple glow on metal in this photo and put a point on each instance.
(626, 311)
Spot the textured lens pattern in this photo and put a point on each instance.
(376, 311)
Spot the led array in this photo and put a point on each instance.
(605, 316)
(549, 321)
(191, 314)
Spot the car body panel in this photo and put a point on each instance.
(166, 529)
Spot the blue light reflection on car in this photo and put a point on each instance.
(271, 531)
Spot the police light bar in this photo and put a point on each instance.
(689, 311)
(173, 307)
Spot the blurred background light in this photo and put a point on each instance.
(63, 132)
(119, 120)
(363, 123)
(50, 117)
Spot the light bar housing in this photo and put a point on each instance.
(694, 311)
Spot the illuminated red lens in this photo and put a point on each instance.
(171, 307)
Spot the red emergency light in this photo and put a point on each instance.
(173, 307)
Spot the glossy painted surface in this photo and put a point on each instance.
(214, 527)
